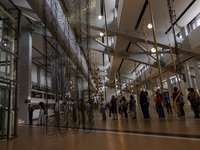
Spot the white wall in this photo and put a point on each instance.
(42, 76)
(34, 73)
(194, 37)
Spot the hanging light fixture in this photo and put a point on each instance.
(100, 17)
(101, 34)
(150, 26)
(153, 50)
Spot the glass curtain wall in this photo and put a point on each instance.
(9, 39)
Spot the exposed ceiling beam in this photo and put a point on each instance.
(133, 53)
(144, 50)
(121, 56)
(134, 38)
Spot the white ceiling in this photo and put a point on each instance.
(128, 14)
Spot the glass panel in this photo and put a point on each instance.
(7, 65)
(4, 97)
(12, 113)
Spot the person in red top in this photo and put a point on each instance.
(159, 107)
(175, 94)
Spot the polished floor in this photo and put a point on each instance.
(126, 134)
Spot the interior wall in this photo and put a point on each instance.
(34, 73)
(34, 76)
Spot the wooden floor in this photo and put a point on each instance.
(168, 134)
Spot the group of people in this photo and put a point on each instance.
(123, 105)
(177, 96)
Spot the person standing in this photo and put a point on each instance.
(174, 96)
(193, 97)
(41, 114)
(133, 106)
(144, 105)
(167, 102)
(103, 109)
(159, 107)
(181, 104)
(114, 107)
(65, 109)
(121, 108)
(56, 110)
(125, 106)
(30, 111)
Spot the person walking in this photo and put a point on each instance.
(167, 102)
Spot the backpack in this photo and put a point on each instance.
(132, 102)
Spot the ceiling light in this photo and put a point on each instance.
(149, 26)
(105, 71)
(116, 79)
(153, 50)
(116, 86)
(100, 17)
(131, 86)
(101, 34)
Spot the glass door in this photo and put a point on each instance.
(4, 103)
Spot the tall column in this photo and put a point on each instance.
(25, 73)
(187, 75)
(38, 77)
(197, 75)
(194, 83)
(169, 88)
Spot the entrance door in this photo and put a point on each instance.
(4, 103)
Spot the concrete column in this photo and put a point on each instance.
(38, 76)
(25, 73)
(197, 75)
(187, 75)
(169, 88)
(194, 83)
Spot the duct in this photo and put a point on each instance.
(51, 12)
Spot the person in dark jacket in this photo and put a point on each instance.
(30, 111)
(125, 105)
(144, 105)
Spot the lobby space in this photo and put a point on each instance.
(122, 134)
